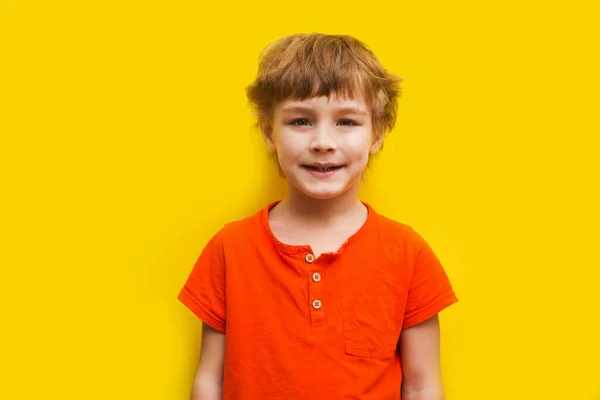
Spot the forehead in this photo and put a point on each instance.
(333, 102)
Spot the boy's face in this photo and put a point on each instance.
(323, 144)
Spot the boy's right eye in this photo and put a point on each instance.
(300, 122)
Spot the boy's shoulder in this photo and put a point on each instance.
(248, 225)
(393, 226)
(394, 232)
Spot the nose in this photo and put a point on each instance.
(322, 141)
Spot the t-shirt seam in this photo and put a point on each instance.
(425, 312)
(201, 311)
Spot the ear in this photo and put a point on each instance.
(267, 132)
(377, 141)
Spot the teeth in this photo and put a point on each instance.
(322, 169)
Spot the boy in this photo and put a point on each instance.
(317, 296)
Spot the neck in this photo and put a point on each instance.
(296, 204)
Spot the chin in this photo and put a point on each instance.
(325, 193)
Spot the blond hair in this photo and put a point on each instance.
(303, 66)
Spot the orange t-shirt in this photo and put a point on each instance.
(304, 328)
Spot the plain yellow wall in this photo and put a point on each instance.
(126, 142)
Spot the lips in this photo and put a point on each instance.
(322, 168)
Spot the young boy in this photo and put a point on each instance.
(318, 296)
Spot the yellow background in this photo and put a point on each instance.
(126, 142)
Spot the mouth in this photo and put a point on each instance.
(322, 168)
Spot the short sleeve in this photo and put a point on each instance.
(204, 290)
(430, 289)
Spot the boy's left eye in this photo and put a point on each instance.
(347, 122)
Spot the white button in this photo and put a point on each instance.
(316, 304)
(310, 258)
(317, 277)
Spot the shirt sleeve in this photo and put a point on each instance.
(204, 290)
(430, 290)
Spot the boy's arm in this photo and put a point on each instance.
(208, 382)
(420, 357)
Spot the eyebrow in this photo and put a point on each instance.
(347, 110)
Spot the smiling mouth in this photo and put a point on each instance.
(318, 168)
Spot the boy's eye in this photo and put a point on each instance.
(347, 122)
(300, 122)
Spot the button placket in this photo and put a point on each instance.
(317, 317)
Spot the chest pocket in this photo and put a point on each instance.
(371, 325)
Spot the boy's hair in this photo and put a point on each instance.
(303, 66)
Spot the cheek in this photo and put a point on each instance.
(290, 146)
(359, 148)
